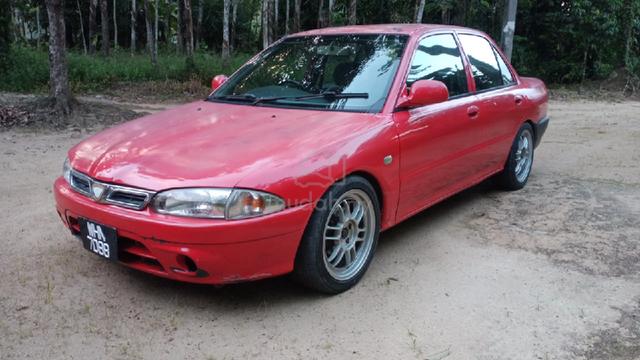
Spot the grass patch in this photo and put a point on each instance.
(28, 69)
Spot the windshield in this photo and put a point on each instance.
(337, 72)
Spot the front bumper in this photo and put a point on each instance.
(222, 251)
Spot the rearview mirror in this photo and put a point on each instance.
(217, 81)
(425, 92)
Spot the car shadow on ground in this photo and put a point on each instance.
(285, 289)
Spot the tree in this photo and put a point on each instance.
(151, 46)
(275, 19)
(353, 5)
(198, 30)
(234, 18)
(286, 17)
(5, 33)
(265, 24)
(419, 11)
(296, 15)
(180, 27)
(508, 27)
(225, 31)
(84, 40)
(58, 73)
(104, 25)
(134, 19)
(330, 12)
(115, 26)
(187, 23)
(93, 25)
(155, 28)
(322, 15)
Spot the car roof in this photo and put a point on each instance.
(405, 29)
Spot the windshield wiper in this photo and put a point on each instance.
(329, 95)
(244, 97)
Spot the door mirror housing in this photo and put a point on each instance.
(217, 81)
(425, 92)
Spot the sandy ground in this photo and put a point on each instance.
(549, 272)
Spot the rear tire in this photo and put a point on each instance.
(518, 167)
(341, 237)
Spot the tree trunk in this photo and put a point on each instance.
(445, 15)
(508, 27)
(225, 32)
(276, 18)
(188, 31)
(265, 24)
(180, 27)
(93, 25)
(353, 6)
(134, 19)
(198, 30)
(419, 11)
(39, 28)
(155, 29)
(272, 22)
(286, 17)
(296, 15)
(58, 74)
(234, 17)
(104, 24)
(330, 13)
(322, 22)
(150, 33)
(627, 33)
(84, 39)
(115, 26)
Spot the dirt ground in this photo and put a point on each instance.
(548, 272)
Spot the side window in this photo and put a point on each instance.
(507, 78)
(438, 58)
(484, 65)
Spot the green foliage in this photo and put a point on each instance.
(5, 32)
(93, 72)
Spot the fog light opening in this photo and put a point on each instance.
(186, 263)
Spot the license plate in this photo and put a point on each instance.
(99, 239)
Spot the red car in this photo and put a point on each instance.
(301, 158)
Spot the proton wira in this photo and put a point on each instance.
(297, 162)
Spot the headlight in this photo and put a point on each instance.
(66, 170)
(216, 203)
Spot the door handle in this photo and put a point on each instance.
(473, 111)
(518, 99)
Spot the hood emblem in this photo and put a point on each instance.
(97, 190)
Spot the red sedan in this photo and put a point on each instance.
(297, 161)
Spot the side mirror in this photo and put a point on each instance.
(217, 81)
(425, 92)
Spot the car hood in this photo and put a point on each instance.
(211, 144)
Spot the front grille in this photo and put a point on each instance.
(81, 183)
(101, 192)
(130, 199)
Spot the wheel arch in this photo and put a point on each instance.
(375, 184)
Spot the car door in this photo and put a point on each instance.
(435, 140)
(496, 101)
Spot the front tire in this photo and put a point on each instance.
(518, 167)
(341, 237)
